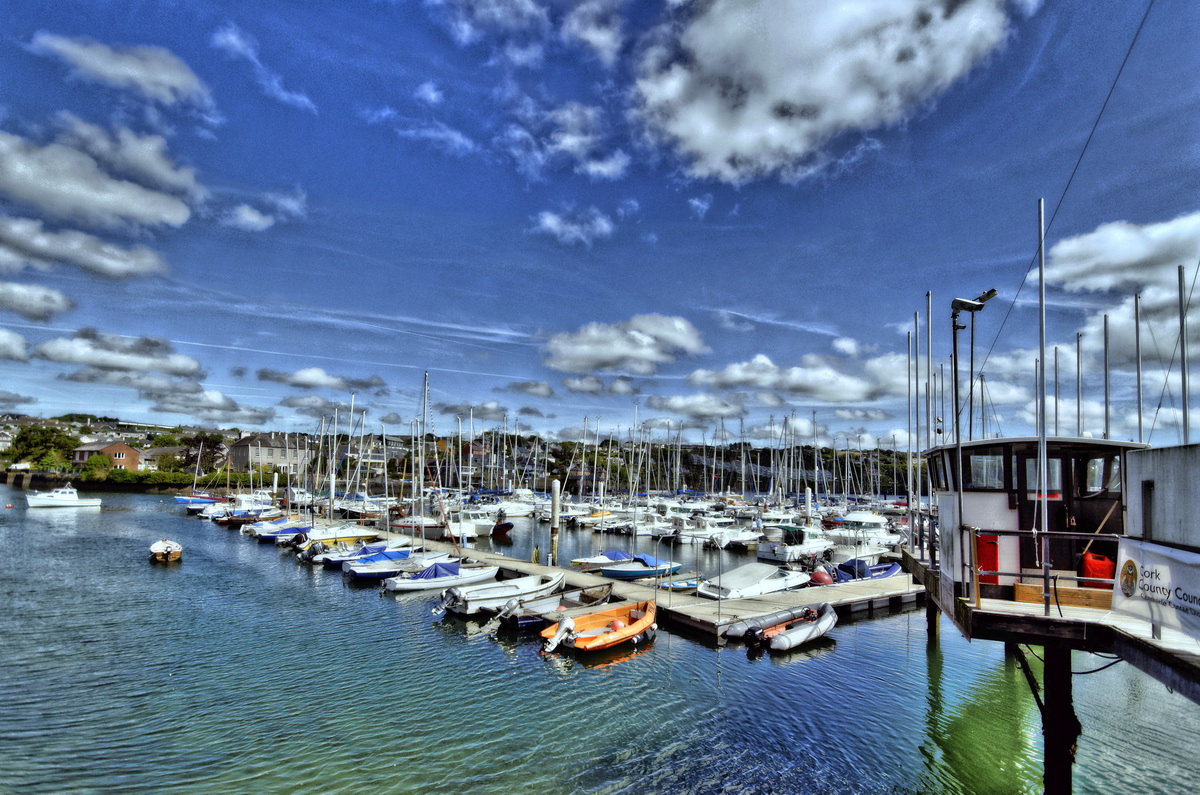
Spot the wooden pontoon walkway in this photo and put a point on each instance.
(709, 617)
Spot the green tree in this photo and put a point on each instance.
(169, 462)
(166, 440)
(33, 442)
(51, 461)
(213, 447)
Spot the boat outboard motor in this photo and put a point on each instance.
(449, 597)
(565, 631)
(754, 636)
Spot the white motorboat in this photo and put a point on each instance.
(63, 497)
(797, 544)
(753, 579)
(493, 596)
(444, 574)
(166, 551)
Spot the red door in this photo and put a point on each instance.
(987, 553)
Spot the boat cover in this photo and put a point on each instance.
(437, 570)
(386, 554)
(617, 554)
(652, 561)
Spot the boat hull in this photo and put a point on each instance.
(603, 629)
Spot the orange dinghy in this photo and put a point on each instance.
(603, 629)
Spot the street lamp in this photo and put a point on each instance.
(957, 306)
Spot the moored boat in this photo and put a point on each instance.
(443, 574)
(166, 551)
(640, 566)
(603, 629)
(64, 496)
(810, 624)
(753, 579)
(493, 596)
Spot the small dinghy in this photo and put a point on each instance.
(442, 574)
(773, 631)
(603, 629)
(166, 551)
(493, 596)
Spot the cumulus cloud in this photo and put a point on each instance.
(470, 20)
(429, 93)
(573, 134)
(10, 400)
(815, 378)
(748, 88)
(111, 352)
(150, 384)
(596, 23)
(535, 388)
(316, 378)
(862, 415)
(622, 386)
(700, 205)
(33, 301)
(697, 407)
(586, 385)
(68, 183)
(583, 227)
(239, 45)
(24, 241)
(846, 346)
(154, 72)
(247, 219)
(316, 406)
(491, 411)
(1124, 256)
(13, 346)
(392, 418)
(210, 405)
(142, 158)
(638, 345)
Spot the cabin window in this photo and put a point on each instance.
(1053, 478)
(985, 471)
(1100, 476)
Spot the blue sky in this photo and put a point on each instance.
(603, 212)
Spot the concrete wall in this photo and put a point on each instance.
(1174, 509)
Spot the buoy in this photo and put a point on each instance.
(822, 577)
(9, 505)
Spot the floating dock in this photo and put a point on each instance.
(709, 617)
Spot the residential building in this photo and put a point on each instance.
(284, 451)
(122, 455)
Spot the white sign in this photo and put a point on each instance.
(1158, 584)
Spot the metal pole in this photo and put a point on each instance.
(555, 512)
(916, 381)
(956, 469)
(929, 437)
(971, 383)
(1056, 390)
(1043, 457)
(1137, 347)
(1078, 384)
(1183, 360)
(1107, 427)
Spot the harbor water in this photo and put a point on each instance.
(239, 670)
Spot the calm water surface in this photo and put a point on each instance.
(241, 671)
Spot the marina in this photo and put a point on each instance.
(201, 659)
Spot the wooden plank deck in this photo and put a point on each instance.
(709, 617)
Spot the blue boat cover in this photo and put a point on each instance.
(651, 561)
(437, 570)
(386, 554)
(617, 554)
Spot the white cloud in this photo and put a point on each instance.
(749, 88)
(148, 383)
(584, 227)
(700, 205)
(572, 134)
(429, 93)
(154, 72)
(68, 183)
(596, 23)
(639, 345)
(846, 346)
(237, 44)
(491, 411)
(587, 385)
(816, 379)
(535, 388)
(441, 136)
(697, 407)
(111, 352)
(13, 346)
(24, 241)
(33, 301)
(1124, 256)
(247, 219)
(211, 406)
(316, 406)
(142, 158)
(317, 378)
(470, 20)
